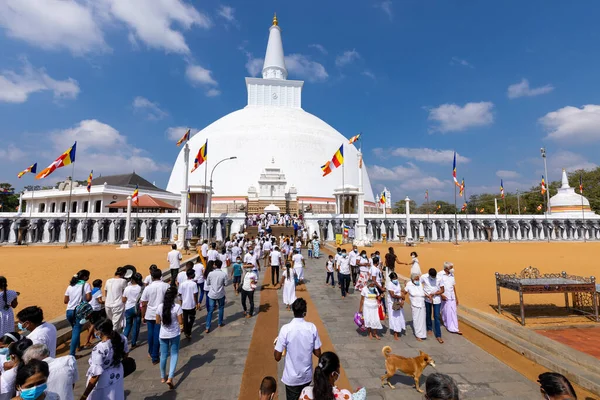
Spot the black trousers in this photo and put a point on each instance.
(293, 392)
(274, 271)
(355, 271)
(174, 272)
(189, 316)
(330, 274)
(250, 296)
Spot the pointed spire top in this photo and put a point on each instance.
(275, 23)
(565, 180)
(274, 66)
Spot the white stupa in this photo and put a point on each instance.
(272, 125)
(568, 203)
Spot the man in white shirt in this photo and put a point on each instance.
(204, 251)
(32, 319)
(251, 259)
(449, 299)
(275, 264)
(432, 286)
(215, 285)
(63, 370)
(212, 254)
(301, 340)
(267, 247)
(299, 265)
(182, 276)
(113, 303)
(248, 286)
(188, 290)
(354, 267)
(199, 279)
(236, 251)
(305, 237)
(152, 297)
(344, 273)
(174, 258)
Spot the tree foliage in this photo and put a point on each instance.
(9, 202)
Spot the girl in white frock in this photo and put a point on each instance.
(289, 286)
(394, 294)
(370, 309)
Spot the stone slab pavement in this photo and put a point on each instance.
(478, 374)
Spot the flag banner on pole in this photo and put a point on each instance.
(543, 185)
(481, 210)
(580, 184)
(354, 138)
(66, 158)
(454, 171)
(135, 198)
(89, 181)
(539, 208)
(427, 195)
(31, 168)
(6, 191)
(326, 168)
(184, 138)
(338, 157)
(382, 198)
(524, 208)
(462, 188)
(501, 188)
(464, 207)
(189, 194)
(201, 156)
(360, 161)
(17, 208)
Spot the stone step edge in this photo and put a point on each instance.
(563, 351)
(585, 378)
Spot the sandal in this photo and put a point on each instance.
(440, 340)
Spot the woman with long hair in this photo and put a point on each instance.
(105, 374)
(31, 381)
(326, 374)
(394, 296)
(554, 386)
(77, 291)
(8, 302)
(289, 286)
(170, 317)
(133, 314)
(369, 308)
(15, 358)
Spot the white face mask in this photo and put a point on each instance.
(451, 271)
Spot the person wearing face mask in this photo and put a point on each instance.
(363, 268)
(31, 319)
(449, 299)
(554, 386)
(344, 273)
(326, 374)
(31, 382)
(336, 263)
(251, 259)
(394, 295)
(417, 305)
(432, 286)
(268, 388)
(369, 308)
(15, 358)
(354, 258)
(5, 341)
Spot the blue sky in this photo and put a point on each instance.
(493, 81)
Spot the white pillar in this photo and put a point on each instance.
(360, 233)
(126, 242)
(495, 207)
(182, 227)
(408, 228)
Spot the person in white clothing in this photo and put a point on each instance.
(251, 259)
(77, 292)
(31, 319)
(289, 286)
(248, 287)
(343, 267)
(212, 254)
(415, 267)
(449, 299)
(417, 305)
(115, 309)
(169, 317)
(301, 341)
(63, 370)
(133, 315)
(182, 276)
(151, 298)
(174, 258)
(369, 308)
(204, 251)
(299, 265)
(275, 261)
(432, 286)
(188, 291)
(376, 276)
(199, 279)
(394, 296)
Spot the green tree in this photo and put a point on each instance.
(9, 202)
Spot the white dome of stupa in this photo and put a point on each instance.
(567, 201)
(272, 125)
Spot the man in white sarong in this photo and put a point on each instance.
(417, 304)
(449, 299)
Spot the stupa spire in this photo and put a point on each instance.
(274, 66)
(565, 180)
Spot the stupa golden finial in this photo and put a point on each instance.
(275, 23)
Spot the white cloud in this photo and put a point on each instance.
(254, 66)
(422, 154)
(102, 148)
(227, 13)
(347, 57)
(573, 124)
(152, 110)
(567, 160)
(203, 77)
(11, 153)
(452, 117)
(152, 22)
(302, 66)
(369, 74)
(507, 174)
(460, 61)
(16, 88)
(409, 177)
(319, 47)
(213, 92)
(522, 89)
(53, 24)
(176, 132)
(386, 7)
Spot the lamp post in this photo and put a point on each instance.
(548, 208)
(210, 194)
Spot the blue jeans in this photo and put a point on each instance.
(200, 292)
(153, 343)
(169, 346)
(211, 307)
(437, 330)
(75, 333)
(132, 321)
(344, 282)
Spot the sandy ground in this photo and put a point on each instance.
(476, 263)
(42, 273)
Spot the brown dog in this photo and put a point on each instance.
(410, 366)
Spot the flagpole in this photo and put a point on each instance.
(343, 195)
(86, 215)
(428, 234)
(30, 211)
(455, 219)
(69, 206)
(582, 211)
(205, 200)
(506, 217)
(546, 214)
(467, 214)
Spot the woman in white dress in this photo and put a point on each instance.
(394, 294)
(417, 304)
(370, 309)
(364, 266)
(289, 286)
(105, 374)
(8, 302)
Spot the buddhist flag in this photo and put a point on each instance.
(464, 207)
(135, 198)
(539, 208)
(543, 186)
(326, 168)
(360, 160)
(338, 157)
(501, 188)
(382, 199)
(462, 188)
(66, 158)
(427, 195)
(482, 210)
(201, 156)
(184, 138)
(524, 208)
(354, 138)
(6, 191)
(89, 181)
(189, 194)
(454, 171)
(580, 184)
(32, 169)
